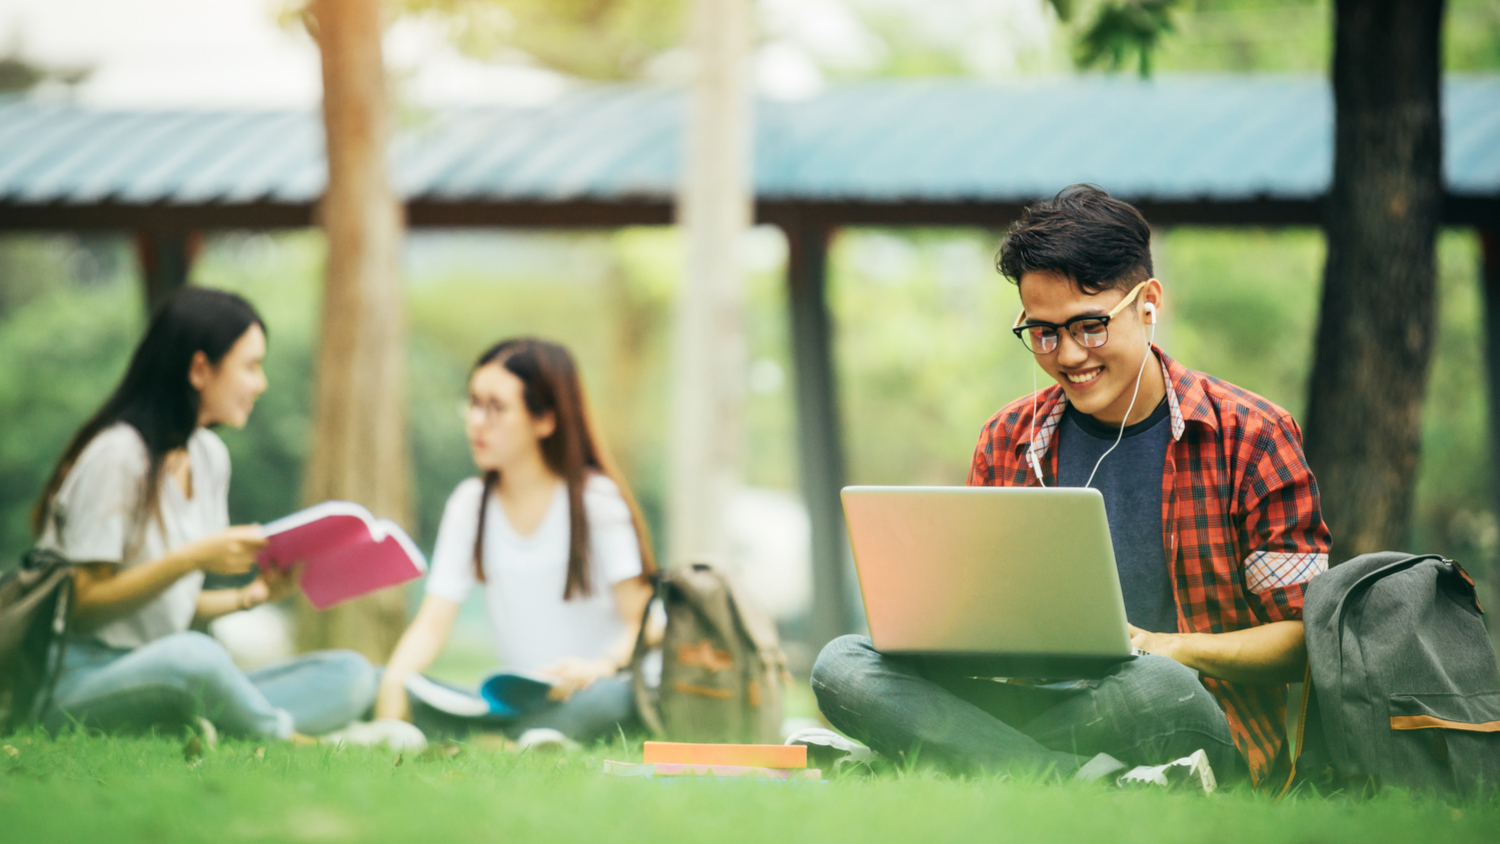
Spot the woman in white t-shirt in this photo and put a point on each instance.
(552, 537)
(140, 500)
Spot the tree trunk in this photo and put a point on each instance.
(714, 207)
(1489, 277)
(359, 450)
(1364, 418)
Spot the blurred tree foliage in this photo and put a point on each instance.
(1297, 36)
(602, 40)
(65, 335)
(1240, 36)
(1121, 31)
(1248, 35)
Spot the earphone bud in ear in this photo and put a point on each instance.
(1151, 312)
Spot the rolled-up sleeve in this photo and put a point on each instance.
(1283, 526)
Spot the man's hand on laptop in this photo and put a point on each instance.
(1267, 653)
(1161, 644)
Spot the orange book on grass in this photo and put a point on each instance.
(741, 755)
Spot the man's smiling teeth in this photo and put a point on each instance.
(1085, 377)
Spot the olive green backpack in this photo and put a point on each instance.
(722, 670)
(35, 602)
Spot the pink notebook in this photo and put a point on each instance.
(346, 552)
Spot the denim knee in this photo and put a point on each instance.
(1190, 716)
(198, 658)
(838, 669)
(1178, 693)
(839, 658)
(360, 677)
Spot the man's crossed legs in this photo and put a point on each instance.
(1149, 711)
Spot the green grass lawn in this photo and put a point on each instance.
(79, 788)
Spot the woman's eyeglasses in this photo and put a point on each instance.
(1089, 330)
(487, 410)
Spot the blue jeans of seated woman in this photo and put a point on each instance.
(168, 682)
(1148, 711)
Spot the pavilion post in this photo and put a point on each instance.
(1489, 241)
(820, 444)
(166, 259)
(714, 207)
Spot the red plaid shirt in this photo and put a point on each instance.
(1240, 520)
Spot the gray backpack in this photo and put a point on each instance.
(1404, 685)
(722, 668)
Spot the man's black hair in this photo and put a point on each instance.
(1082, 234)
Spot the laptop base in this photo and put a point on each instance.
(1027, 666)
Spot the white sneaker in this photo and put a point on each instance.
(544, 740)
(1188, 772)
(1099, 767)
(391, 732)
(828, 750)
(207, 731)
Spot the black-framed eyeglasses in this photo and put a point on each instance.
(1089, 330)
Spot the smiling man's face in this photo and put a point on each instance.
(1098, 381)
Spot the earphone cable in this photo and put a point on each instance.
(1126, 420)
(1036, 464)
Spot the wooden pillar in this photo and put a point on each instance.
(166, 259)
(819, 440)
(359, 449)
(1489, 270)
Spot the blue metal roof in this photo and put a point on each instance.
(1172, 139)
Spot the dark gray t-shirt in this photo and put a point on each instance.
(1130, 480)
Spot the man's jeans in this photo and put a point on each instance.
(1148, 711)
(168, 682)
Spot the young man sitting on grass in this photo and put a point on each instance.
(1212, 510)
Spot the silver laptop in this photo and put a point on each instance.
(997, 581)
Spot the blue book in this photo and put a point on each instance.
(513, 694)
(504, 696)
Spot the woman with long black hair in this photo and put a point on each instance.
(140, 500)
(550, 534)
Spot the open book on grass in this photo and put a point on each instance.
(345, 552)
(504, 696)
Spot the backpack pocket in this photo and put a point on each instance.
(1448, 741)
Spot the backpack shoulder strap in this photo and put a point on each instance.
(758, 627)
(1295, 751)
(645, 703)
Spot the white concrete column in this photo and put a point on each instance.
(714, 208)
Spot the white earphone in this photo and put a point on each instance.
(1151, 314)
